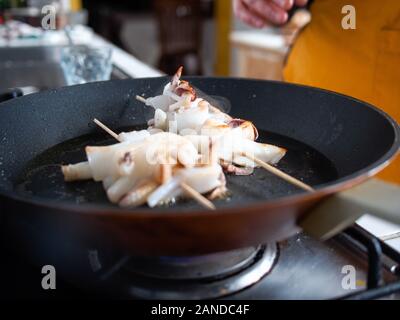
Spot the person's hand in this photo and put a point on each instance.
(259, 13)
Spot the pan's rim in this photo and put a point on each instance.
(338, 185)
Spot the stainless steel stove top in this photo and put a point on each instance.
(299, 268)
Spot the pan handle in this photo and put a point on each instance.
(10, 94)
(341, 210)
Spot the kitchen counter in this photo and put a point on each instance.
(83, 35)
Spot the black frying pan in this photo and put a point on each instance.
(334, 142)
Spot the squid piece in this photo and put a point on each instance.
(184, 102)
(214, 128)
(169, 92)
(201, 142)
(176, 78)
(163, 173)
(144, 162)
(238, 171)
(240, 128)
(173, 92)
(75, 172)
(160, 102)
(244, 128)
(134, 136)
(103, 162)
(138, 196)
(178, 95)
(232, 149)
(263, 151)
(114, 160)
(166, 146)
(164, 192)
(202, 179)
(120, 188)
(153, 131)
(204, 146)
(220, 191)
(144, 170)
(190, 113)
(218, 115)
(108, 182)
(180, 87)
(185, 89)
(160, 119)
(185, 155)
(193, 118)
(171, 87)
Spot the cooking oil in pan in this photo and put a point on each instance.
(43, 178)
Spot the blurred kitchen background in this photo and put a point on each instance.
(148, 38)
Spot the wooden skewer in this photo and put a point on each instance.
(279, 173)
(141, 99)
(106, 129)
(197, 196)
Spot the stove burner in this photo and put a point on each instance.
(195, 267)
(199, 277)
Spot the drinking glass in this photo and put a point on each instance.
(82, 64)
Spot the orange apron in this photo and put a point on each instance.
(363, 63)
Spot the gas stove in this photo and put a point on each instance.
(353, 265)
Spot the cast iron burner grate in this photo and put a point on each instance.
(376, 252)
(198, 277)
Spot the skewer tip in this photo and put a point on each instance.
(197, 196)
(106, 129)
(140, 98)
(279, 173)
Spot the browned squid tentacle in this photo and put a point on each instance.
(238, 171)
(219, 192)
(248, 128)
(176, 78)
